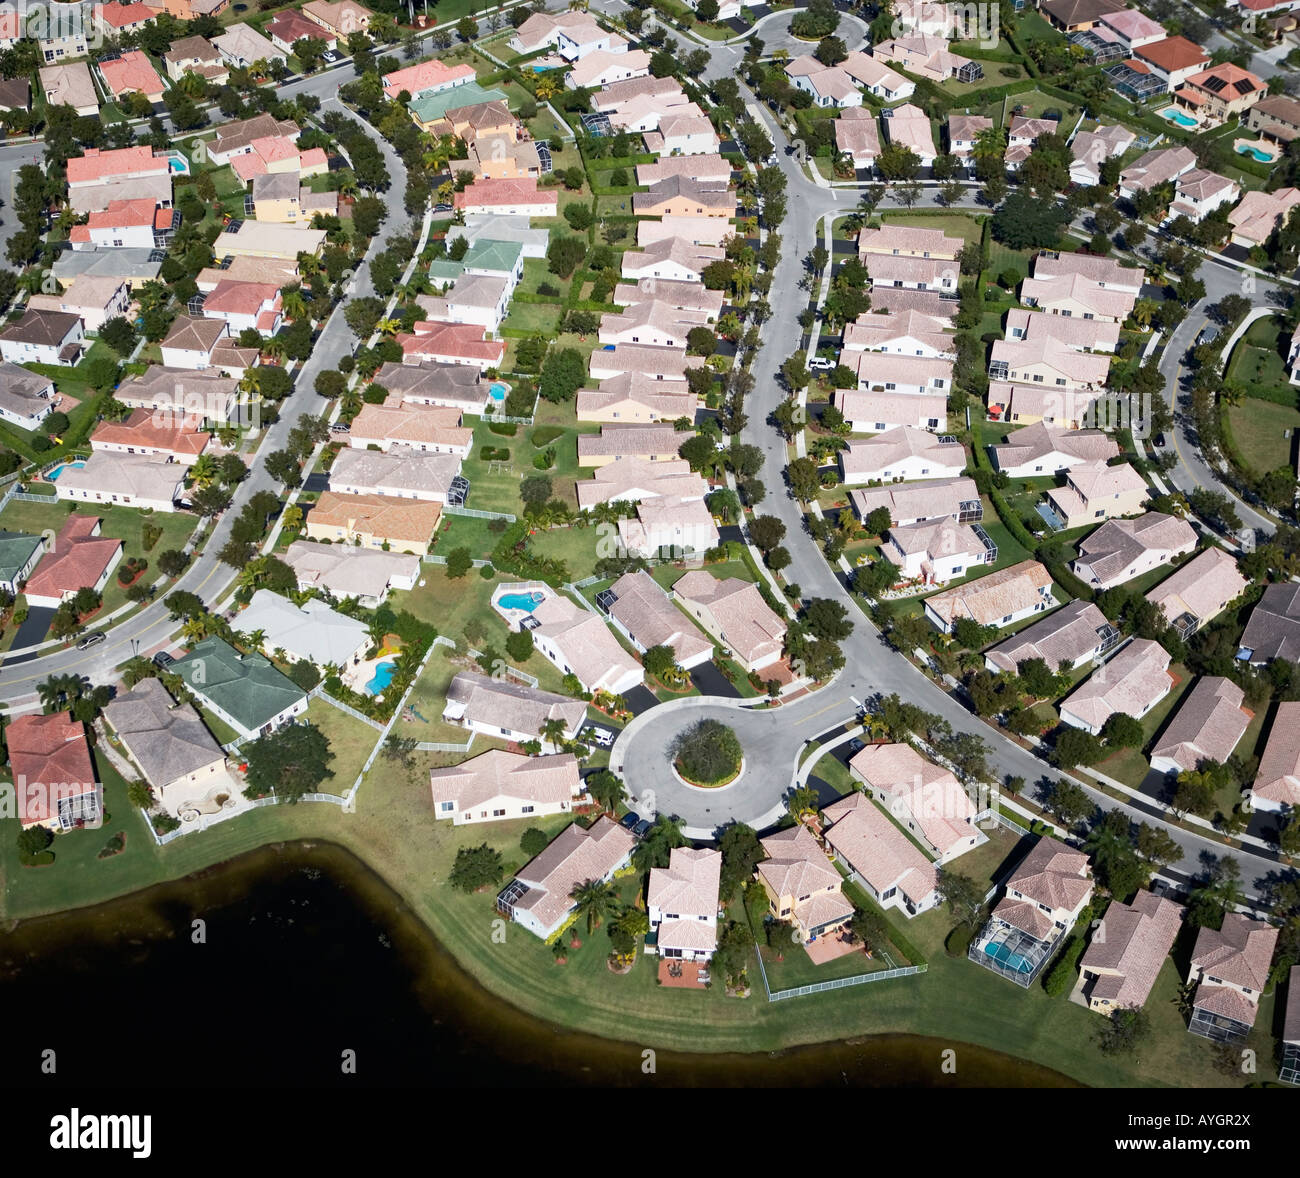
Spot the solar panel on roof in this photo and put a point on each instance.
(1244, 85)
(1214, 85)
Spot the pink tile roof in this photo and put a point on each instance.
(1132, 682)
(500, 774)
(483, 193)
(105, 165)
(424, 76)
(77, 559)
(1053, 874)
(918, 788)
(144, 427)
(1278, 779)
(49, 759)
(131, 72)
(882, 854)
(124, 214)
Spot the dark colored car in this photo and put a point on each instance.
(642, 828)
(162, 660)
(629, 820)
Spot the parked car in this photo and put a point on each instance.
(162, 660)
(341, 427)
(594, 734)
(1209, 333)
(856, 745)
(642, 828)
(820, 364)
(629, 820)
(94, 638)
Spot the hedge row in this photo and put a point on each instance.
(1068, 581)
(1015, 525)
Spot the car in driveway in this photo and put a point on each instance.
(94, 638)
(162, 660)
(595, 734)
(642, 828)
(629, 820)
(856, 745)
(821, 364)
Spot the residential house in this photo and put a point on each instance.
(54, 780)
(242, 690)
(188, 10)
(1091, 149)
(706, 168)
(1198, 193)
(963, 130)
(1209, 723)
(910, 503)
(922, 797)
(900, 454)
(879, 856)
(1022, 136)
(1161, 165)
(135, 266)
(874, 412)
(1260, 215)
(70, 84)
(374, 521)
(339, 18)
(1127, 950)
(93, 300)
(1273, 629)
(492, 227)
(876, 78)
(1043, 898)
(694, 231)
(1132, 28)
(603, 67)
(572, 34)
(450, 343)
(19, 553)
(114, 19)
(577, 642)
(1275, 117)
(497, 786)
(857, 135)
(539, 897)
(642, 612)
(434, 429)
(1097, 491)
(145, 431)
(881, 372)
(61, 29)
(735, 614)
(929, 57)
(257, 239)
(1122, 549)
(1038, 450)
(1219, 93)
(1071, 636)
(289, 26)
(241, 46)
(133, 224)
(682, 901)
(342, 571)
(311, 632)
(182, 394)
(1073, 16)
(1172, 60)
(1276, 787)
(1289, 1068)
(1080, 335)
(1131, 683)
(909, 126)
(401, 473)
(1064, 408)
(669, 525)
(26, 398)
(680, 196)
(238, 138)
(428, 77)
(245, 306)
(190, 342)
(682, 135)
(519, 198)
(1230, 968)
(829, 86)
(15, 93)
(634, 397)
(672, 258)
(802, 885)
(511, 711)
(455, 386)
(176, 754)
(999, 599)
(43, 337)
(146, 481)
(131, 72)
(1199, 591)
(1047, 361)
(912, 333)
(639, 479)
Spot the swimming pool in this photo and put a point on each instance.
(1175, 116)
(58, 470)
(520, 600)
(1262, 157)
(1003, 956)
(497, 391)
(177, 165)
(383, 677)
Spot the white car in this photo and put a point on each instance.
(818, 364)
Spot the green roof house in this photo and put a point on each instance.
(433, 106)
(496, 259)
(19, 553)
(444, 272)
(244, 690)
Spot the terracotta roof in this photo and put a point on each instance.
(1172, 54)
(410, 521)
(132, 71)
(796, 865)
(409, 425)
(484, 193)
(635, 440)
(158, 432)
(49, 760)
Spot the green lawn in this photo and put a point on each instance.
(1260, 429)
(1257, 360)
(953, 224)
(350, 741)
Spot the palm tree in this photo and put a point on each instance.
(292, 302)
(274, 347)
(553, 731)
(1232, 395)
(989, 143)
(1143, 310)
(196, 629)
(594, 899)
(388, 327)
(58, 691)
(204, 471)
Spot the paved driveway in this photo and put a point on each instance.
(711, 681)
(32, 631)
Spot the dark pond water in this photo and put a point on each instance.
(308, 955)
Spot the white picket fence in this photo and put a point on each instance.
(205, 821)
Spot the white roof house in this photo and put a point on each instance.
(500, 785)
(682, 900)
(580, 644)
(345, 571)
(904, 453)
(312, 632)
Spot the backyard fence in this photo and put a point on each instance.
(433, 558)
(443, 746)
(524, 676)
(475, 513)
(28, 497)
(351, 711)
(902, 971)
(206, 820)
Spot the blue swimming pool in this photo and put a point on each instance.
(382, 678)
(1177, 117)
(497, 391)
(1003, 956)
(520, 600)
(58, 470)
(1260, 156)
(178, 166)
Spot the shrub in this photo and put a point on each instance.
(533, 842)
(151, 533)
(707, 752)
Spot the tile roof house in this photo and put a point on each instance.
(928, 56)
(1161, 165)
(650, 323)
(1230, 968)
(1045, 360)
(405, 525)
(92, 300)
(132, 73)
(829, 86)
(1072, 16)
(640, 479)
(1260, 214)
(1029, 404)
(734, 613)
(998, 599)
(938, 550)
(1082, 335)
(518, 197)
(911, 503)
(682, 902)
(908, 126)
(1039, 449)
(857, 135)
(311, 632)
(910, 333)
(675, 258)
(1042, 900)
(669, 525)
(79, 558)
(54, 780)
(706, 168)
(1075, 634)
(43, 337)
(635, 397)
(497, 786)
(880, 856)
(900, 454)
(1130, 683)
(643, 613)
(1273, 629)
(427, 77)
(244, 690)
(26, 398)
(510, 711)
(621, 443)
(148, 432)
(1198, 193)
(238, 138)
(1077, 295)
(450, 343)
(290, 26)
(1105, 272)
(539, 896)
(401, 473)
(19, 553)
(190, 342)
(1277, 783)
(1173, 60)
(342, 571)
(1209, 723)
(1126, 952)
(604, 66)
(1221, 92)
(176, 754)
(1097, 491)
(456, 386)
(1091, 149)
(802, 885)
(70, 84)
(881, 372)
(922, 797)
(580, 644)
(682, 196)
(1122, 549)
(241, 46)
(405, 426)
(1199, 591)
(341, 18)
(874, 412)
